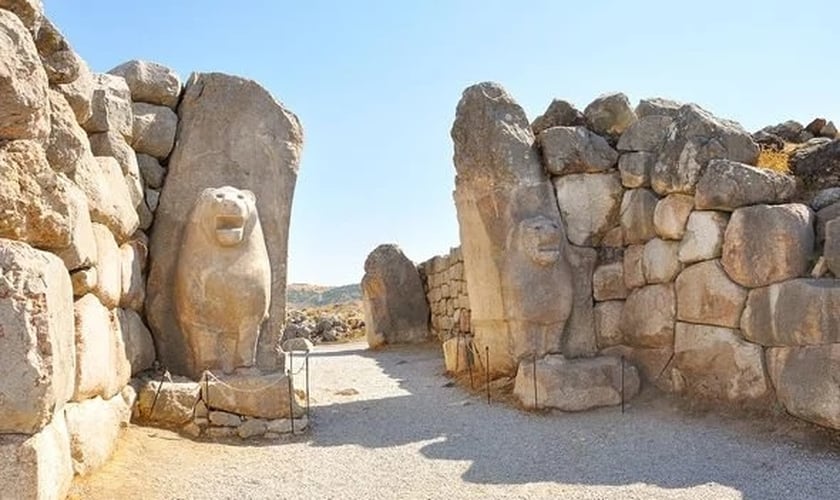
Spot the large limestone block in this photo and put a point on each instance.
(832, 246)
(695, 137)
(807, 382)
(108, 197)
(660, 262)
(609, 114)
(133, 257)
(715, 362)
(24, 103)
(94, 427)
(102, 368)
(114, 145)
(231, 132)
(222, 282)
(608, 282)
(110, 106)
(139, 347)
(706, 295)
(657, 106)
(589, 205)
(579, 334)
(37, 355)
(703, 239)
(79, 93)
(793, 313)
(635, 169)
(167, 403)
(654, 364)
(648, 316)
(456, 354)
(637, 209)
(150, 82)
(727, 185)
(60, 61)
(608, 323)
(646, 134)
(766, 244)
(252, 395)
(634, 266)
(108, 267)
(154, 129)
(395, 305)
(824, 216)
(151, 171)
(817, 164)
(37, 467)
(671, 216)
(574, 150)
(68, 144)
(575, 385)
(560, 113)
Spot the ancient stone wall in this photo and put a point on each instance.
(446, 292)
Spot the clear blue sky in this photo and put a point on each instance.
(376, 83)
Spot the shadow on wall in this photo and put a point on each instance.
(653, 443)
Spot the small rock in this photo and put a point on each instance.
(559, 114)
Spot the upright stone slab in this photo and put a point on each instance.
(395, 305)
(514, 245)
(38, 466)
(231, 132)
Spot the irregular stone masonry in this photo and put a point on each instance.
(446, 290)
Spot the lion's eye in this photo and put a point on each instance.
(220, 196)
(241, 197)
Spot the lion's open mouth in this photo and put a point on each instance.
(230, 229)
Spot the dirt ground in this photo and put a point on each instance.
(388, 424)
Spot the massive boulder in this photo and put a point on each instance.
(395, 305)
(114, 145)
(706, 295)
(37, 466)
(671, 216)
(817, 164)
(110, 106)
(94, 426)
(766, 244)
(637, 209)
(609, 114)
(647, 319)
(807, 382)
(36, 316)
(60, 61)
(703, 239)
(102, 368)
(231, 132)
(103, 183)
(79, 93)
(635, 169)
(575, 150)
(589, 204)
(695, 138)
(68, 144)
(154, 130)
(150, 82)
(727, 185)
(646, 134)
(559, 114)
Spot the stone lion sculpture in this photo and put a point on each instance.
(223, 280)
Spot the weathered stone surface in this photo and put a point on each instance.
(703, 239)
(817, 164)
(646, 134)
(634, 266)
(60, 62)
(167, 404)
(706, 295)
(589, 205)
(150, 82)
(302, 344)
(224, 419)
(578, 338)
(36, 304)
(222, 283)
(455, 354)
(68, 144)
(139, 347)
(574, 150)
(807, 382)
(727, 185)
(152, 199)
(608, 282)
(657, 106)
(154, 129)
(108, 268)
(793, 313)
(654, 365)
(825, 215)
(30, 12)
(575, 385)
(660, 262)
(151, 171)
(38, 466)
(671, 215)
(84, 281)
(829, 131)
(24, 104)
(110, 106)
(257, 395)
(695, 137)
(831, 250)
(102, 368)
(559, 114)
(608, 323)
(790, 130)
(614, 238)
(395, 305)
(79, 93)
(94, 427)
(765, 244)
(635, 169)
(251, 428)
(637, 208)
(133, 256)
(717, 363)
(113, 144)
(256, 145)
(609, 114)
(648, 316)
(108, 196)
(824, 198)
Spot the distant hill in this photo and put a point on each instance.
(300, 295)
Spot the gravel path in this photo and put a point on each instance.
(385, 425)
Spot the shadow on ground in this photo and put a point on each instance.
(654, 442)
